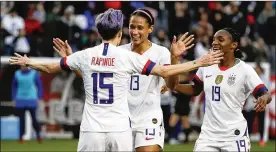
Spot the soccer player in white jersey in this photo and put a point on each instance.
(226, 87)
(144, 91)
(106, 71)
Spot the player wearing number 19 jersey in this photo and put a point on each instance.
(226, 88)
(225, 93)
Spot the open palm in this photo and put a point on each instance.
(211, 58)
(19, 60)
(182, 45)
(62, 48)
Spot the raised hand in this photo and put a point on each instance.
(182, 45)
(19, 60)
(210, 58)
(62, 48)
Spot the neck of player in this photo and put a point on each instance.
(228, 61)
(142, 47)
(112, 41)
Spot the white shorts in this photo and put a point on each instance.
(241, 145)
(112, 141)
(148, 136)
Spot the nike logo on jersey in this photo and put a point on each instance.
(147, 138)
(207, 76)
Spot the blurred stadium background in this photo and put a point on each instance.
(29, 27)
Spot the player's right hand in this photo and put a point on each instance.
(212, 57)
(62, 48)
(179, 47)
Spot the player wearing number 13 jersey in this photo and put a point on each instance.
(226, 86)
(144, 91)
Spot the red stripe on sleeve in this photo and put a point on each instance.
(257, 88)
(65, 63)
(146, 66)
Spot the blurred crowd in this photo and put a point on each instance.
(29, 27)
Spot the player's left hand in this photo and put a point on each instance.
(182, 45)
(19, 60)
(164, 89)
(261, 103)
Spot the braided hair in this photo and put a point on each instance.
(235, 38)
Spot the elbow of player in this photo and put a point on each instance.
(49, 70)
(164, 72)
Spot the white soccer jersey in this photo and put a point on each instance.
(106, 70)
(144, 91)
(225, 93)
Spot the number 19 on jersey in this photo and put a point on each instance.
(215, 93)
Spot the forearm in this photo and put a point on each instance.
(44, 67)
(167, 71)
(174, 79)
(188, 89)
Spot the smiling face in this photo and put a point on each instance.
(222, 40)
(139, 29)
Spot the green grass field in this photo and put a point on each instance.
(71, 145)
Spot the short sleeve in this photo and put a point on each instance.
(198, 78)
(166, 57)
(253, 82)
(72, 62)
(139, 64)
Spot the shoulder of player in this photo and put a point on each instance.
(209, 67)
(246, 67)
(160, 49)
(125, 46)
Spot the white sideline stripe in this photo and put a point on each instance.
(5, 59)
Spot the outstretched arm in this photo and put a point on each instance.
(64, 49)
(44, 67)
(206, 60)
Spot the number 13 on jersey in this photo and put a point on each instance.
(134, 82)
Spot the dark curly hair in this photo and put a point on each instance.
(235, 38)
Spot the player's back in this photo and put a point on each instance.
(106, 71)
(144, 91)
